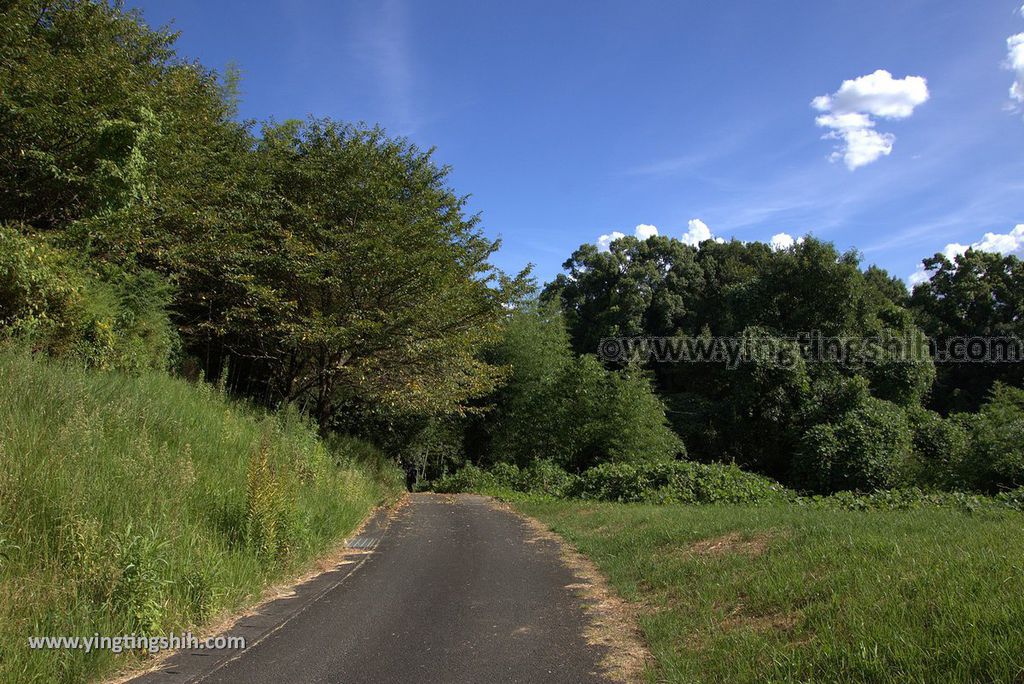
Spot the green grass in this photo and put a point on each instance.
(803, 594)
(147, 504)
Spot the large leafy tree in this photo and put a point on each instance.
(976, 294)
(358, 278)
(77, 109)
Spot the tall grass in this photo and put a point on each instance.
(147, 504)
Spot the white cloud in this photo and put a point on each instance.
(877, 94)
(697, 232)
(644, 231)
(605, 241)
(1015, 62)
(917, 277)
(782, 241)
(848, 111)
(1002, 243)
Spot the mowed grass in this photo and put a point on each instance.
(781, 593)
(146, 505)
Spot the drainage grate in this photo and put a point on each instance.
(363, 542)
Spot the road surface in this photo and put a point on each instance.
(450, 589)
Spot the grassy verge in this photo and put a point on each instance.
(146, 505)
(784, 593)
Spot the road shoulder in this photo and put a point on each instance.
(612, 622)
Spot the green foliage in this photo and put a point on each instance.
(471, 478)
(865, 449)
(359, 279)
(531, 418)
(674, 482)
(906, 499)
(569, 408)
(941, 447)
(632, 426)
(975, 294)
(78, 100)
(762, 412)
(541, 477)
(995, 460)
(148, 504)
(652, 482)
(107, 319)
(782, 306)
(434, 448)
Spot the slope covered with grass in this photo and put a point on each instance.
(148, 504)
(784, 593)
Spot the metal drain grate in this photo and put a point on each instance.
(363, 542)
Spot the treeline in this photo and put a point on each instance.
(330, 267)
(819, 426)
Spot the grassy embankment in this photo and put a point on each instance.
(147, 504)
(778, 592)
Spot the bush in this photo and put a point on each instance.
(674, 482)
(108, 319)
(913, 498)
(540, 477)
(1013, 499)
(940, 447)
(996, 458)
(545, 477)
(868, 448)
(471, 478)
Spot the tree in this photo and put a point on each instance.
(977, 294)
(567, 408)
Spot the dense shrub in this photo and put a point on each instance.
(868, 448)
(104, 317)
(651, 482)
(995, 460)
(471, 478)
(540, 477)
(914, 498)
(674, 482)
(940, 448)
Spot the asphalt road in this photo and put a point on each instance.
(454, 589)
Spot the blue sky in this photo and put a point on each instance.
(568, 121)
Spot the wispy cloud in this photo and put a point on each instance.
(1015, 62)
(384, 46)
(669, 166)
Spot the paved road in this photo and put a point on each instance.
(454, 590)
